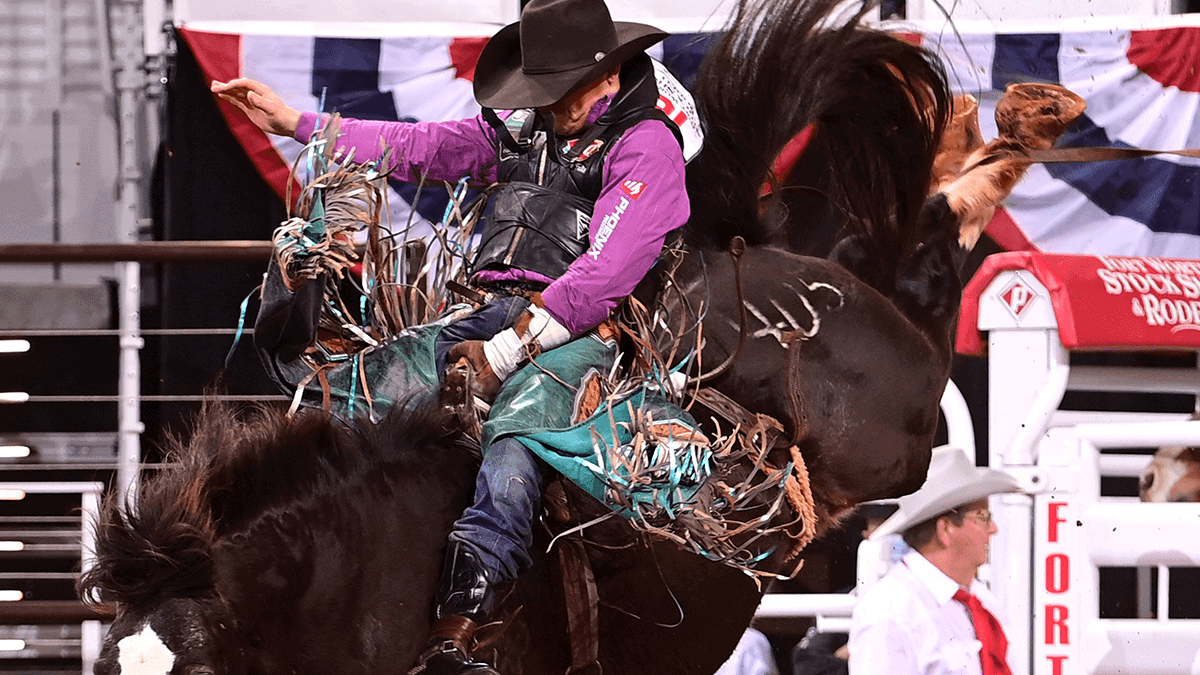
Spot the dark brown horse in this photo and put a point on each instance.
(282, 545)
(310, 545)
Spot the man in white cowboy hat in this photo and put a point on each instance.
(928, 615)
(591, 181)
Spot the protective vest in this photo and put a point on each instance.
(539, 214)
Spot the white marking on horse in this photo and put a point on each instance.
(1167, 471)
(144, 654)
(774, 329)
(789, 323)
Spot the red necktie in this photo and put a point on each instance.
(988, 632)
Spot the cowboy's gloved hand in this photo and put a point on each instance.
(487, 385)
(493, 361)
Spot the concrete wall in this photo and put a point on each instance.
(50, 60)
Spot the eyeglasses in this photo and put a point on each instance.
(983, 517)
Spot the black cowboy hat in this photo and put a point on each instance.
(556, 45)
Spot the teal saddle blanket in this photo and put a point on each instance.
(638, 453)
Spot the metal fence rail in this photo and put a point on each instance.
(33, 627)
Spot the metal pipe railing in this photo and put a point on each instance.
(139, 251)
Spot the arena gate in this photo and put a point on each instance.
(1036, 310)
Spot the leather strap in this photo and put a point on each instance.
(735, 413)
(579, 589)
(457, 629)
(1101, 154)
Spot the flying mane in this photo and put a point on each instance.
(866, 170)
(234, 470)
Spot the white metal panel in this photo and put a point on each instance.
(787, 605)
(1069, 418)
(1016, 299)
(1141, 434)
(1122, 378)
(960, 429)
(1132, 534)
(1127, 466)
(1123, 646)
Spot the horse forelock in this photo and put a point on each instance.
(161, 546)
(234, 466)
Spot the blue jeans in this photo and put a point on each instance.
(499, 525)
(508, 488)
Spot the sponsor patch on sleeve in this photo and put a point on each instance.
(633, 188)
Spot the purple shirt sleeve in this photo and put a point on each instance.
(643, 198)
(437, 150)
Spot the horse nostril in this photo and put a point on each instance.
(1146, 481)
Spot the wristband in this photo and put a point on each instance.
(545, 330)
(504, 353)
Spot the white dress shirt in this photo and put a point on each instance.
(908, 623)
(752, 656)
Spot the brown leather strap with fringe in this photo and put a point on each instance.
(579, 588)
(735, 413)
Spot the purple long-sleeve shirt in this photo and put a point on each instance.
(642, 199)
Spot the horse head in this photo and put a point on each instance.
(155, 564)
(173, 636)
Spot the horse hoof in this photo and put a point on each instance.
(1035, 114)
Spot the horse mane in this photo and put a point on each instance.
(879, 105)
(234, 467)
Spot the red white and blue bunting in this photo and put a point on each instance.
(1141, 87)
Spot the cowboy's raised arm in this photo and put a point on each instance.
(421, 151)
(262, 105)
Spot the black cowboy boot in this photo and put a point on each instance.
(464, 600)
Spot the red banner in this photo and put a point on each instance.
(1100, 302)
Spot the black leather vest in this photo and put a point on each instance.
(539, 214)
